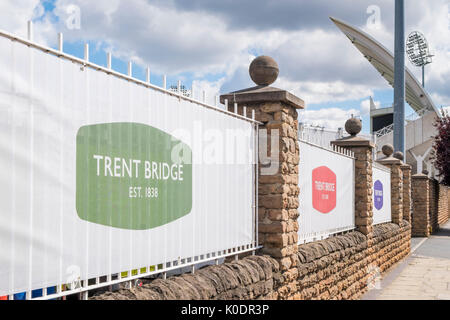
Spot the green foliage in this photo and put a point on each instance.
(441, 147)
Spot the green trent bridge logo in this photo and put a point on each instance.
(126, 177)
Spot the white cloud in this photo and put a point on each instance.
(365, 106)
(169, 40)
(174, 41)
(14, 16)
(434, 24)
(320, 92)
(211, 90)
(330, 118)
(317, 62)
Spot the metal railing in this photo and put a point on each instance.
(381, 176)
(384, 131)
(83, 286)
(412, 117)
(316, 224)
(323, 137)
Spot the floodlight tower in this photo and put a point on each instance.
(418, 52)
(399, 77)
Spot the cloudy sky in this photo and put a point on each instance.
(208, 44)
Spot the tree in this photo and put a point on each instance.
(441, 147)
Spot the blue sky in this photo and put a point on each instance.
(209, 44)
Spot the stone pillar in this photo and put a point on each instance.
(362, 149)
(443, 209)
(421, 206)
(278, 163)
(406, 170)
(434, 201)
(396, 183)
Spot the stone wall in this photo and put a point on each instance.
(341, 267)
(278, 193)
(396, 193)
(363, 150)
(443, 213)
(407, 201)
(421, 208)
(249, 279)
(433, 204)
(337, 268)
(431, 208)
(278, 188)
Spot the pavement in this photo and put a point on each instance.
(424, 275)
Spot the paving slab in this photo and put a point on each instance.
(424, 275)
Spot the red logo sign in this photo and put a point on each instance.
(324, 189)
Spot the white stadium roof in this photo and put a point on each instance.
(383, 60)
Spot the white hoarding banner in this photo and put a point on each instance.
(101, 175)
(327, 195)
(381, 195)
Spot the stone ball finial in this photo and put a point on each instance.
(399, 155)
(353, 126)
(388, 150)
(264, 70)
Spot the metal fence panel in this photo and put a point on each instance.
(381, 194)
(327, 194)
(78, 143)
